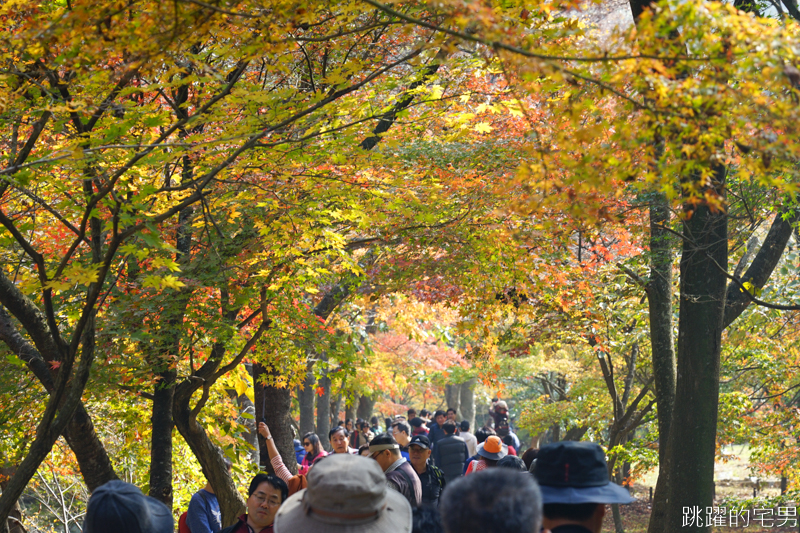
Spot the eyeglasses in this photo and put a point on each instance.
(262, 499)
(306, 444)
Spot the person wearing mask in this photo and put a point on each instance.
(401, 432)
(450, 453)
(490, 451)
(314, 451)
(348, 494)
(575, 503)
(496, 500)
(264, 497)
(121, 507)
(435, 431)
(203, 514)
(400, 475)
(469, 438)
(430, 477)
(340, 439)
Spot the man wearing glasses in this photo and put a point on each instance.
(400, 475)
(265, 496)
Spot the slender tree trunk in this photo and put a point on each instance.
(468, 402)
(351, 404)
(306, 394)
(693, 429)
(324, 409)
(161, 443)
(659, 298)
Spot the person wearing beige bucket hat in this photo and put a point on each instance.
(346, 494)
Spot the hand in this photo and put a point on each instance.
(263, 430)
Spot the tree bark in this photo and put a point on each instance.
(305, 397)
(693, 428)
(468, 402)
(161, 442)
(324, 407)
(366, 405)
(452, 395)
(351, 404)
(273, 404)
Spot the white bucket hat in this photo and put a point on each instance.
(346, 494)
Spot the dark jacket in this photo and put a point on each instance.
(570, 528)
(241, 527)
(404, 479)
(449, 454)
(433, 482)
(435, 433)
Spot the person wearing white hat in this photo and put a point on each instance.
(346, 494)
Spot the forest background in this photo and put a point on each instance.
(214, 212)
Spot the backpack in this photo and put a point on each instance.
(183, 527)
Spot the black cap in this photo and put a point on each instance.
(121, 507)
(420, 440)
(576, 472)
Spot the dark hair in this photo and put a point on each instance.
(578, 512)
(340, 423)
(528, 457)
(426, 519)
(513, 462)
(508, 440)
(483, 434)
(449, 427)
(424, 412)
(363, 424)
(348, 421)
(492, 500)
(464, 425)
(374, 420)
(450, 409)
(362, 448)
(338, 429)
(412, 410)
(402, 426)
(416, 422)
(275, 481)
(316, 445)
(437, 413)
(385, 438)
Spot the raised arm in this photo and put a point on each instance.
(274, 457)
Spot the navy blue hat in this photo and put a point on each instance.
(420, 440)
(576, 472)
(120, 507)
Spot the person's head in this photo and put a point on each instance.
(311, 444)
(438, 417)
(374, 421)
(385, 450)
(450, 414)
(492, 500)
(508, 440)
(338, 437)
(388, 423)
(340, 423)
(580, 497)
(411, 413)
(464, 425)
(345, 493)
(348, 424)
(416, 422)
(427, 520)
(121, 507)
(363, 450)
(419, 450)
(401, 432)
(501, 407)
(424, 413)
(363, 426)
(483, 433)
(513, 462)
(264, 497)
(492, 450)
(449, 427)
(529, 456)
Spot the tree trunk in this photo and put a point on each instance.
(365, 407)
(324, 410)
(161, 442)
(351, 404)
(274, 404)
(693, 429)
(659, 298)
(468, 402)
(452, 395)
(336, 407)
(305, 397)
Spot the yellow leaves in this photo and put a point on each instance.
(483, 127)
(163, 282)
(75, 274)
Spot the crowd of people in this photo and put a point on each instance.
(418, 475)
